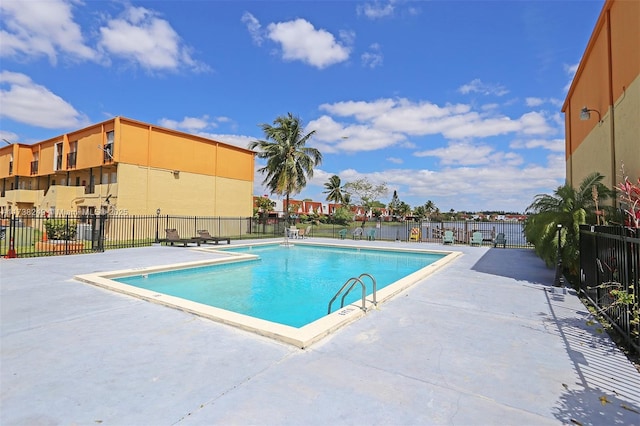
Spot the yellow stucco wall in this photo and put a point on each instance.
(181, 193)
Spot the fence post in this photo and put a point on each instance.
(11, 253)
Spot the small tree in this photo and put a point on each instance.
(365, 192)
(264, 206)
(342, 216)
(393, 205)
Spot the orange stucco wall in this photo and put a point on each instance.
(135, 143)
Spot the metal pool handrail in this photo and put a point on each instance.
(353, 281)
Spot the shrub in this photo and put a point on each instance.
(60, 229)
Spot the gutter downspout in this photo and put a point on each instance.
(611, 106)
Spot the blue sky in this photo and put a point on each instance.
(457, 102)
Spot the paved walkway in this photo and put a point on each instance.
(482, 341)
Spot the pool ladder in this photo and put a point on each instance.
(353, 281)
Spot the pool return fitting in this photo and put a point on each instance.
(353, 281)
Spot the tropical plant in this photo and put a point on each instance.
(429, 208)
(334, 189)
(60, 229)
(568, 208)
(264, 205)
(403, 209)
(420, 212)
(629, 196)
(342, 216)
(289, 161)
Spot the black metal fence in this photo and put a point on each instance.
(44, 235)
(610, 275)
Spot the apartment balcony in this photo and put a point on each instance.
(31, 196)
(34, 167)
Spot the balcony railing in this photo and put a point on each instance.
(34, 167)
(71, 160)
(59, 162)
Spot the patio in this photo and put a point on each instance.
(484, 340)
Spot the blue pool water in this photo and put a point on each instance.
(288, 285)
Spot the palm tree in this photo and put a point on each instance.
(334, 189)
(429, 207)
(289, 162)
(569, 208)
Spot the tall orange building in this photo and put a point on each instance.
(127, 167)
(602, 108)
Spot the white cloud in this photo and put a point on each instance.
(37, 28)
(333, 137)
(373, 58)
(376, 10)
(254, 27)
(143, 38)
(395, 160)
(510, 187)
(555, 145)
(26, 102)
(397, 117)
(188, 124)
(477, 86)
(570, 70)
(300, 41)
(534, 102)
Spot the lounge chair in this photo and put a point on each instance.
(174, 238)
(448, 237)
(476, 238)
(304, 233)
(371, 234)
(357, 233)
(500, 240)
(414, 234)
(342, 234)
(205, 237)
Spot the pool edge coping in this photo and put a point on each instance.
(302, 337)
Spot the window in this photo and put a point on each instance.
(57, 165)
(71, 156)
(108, 148)
(34, 163)
(10, 164)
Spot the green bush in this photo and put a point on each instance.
(60, 229)
(342, 216)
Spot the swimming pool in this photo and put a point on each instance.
(278, 292)
(287, 285)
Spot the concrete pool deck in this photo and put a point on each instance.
(481, 341)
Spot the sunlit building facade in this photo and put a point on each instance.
(602, 108)
(125, 166)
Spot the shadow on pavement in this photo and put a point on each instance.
(519, 264)
(607, 391)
